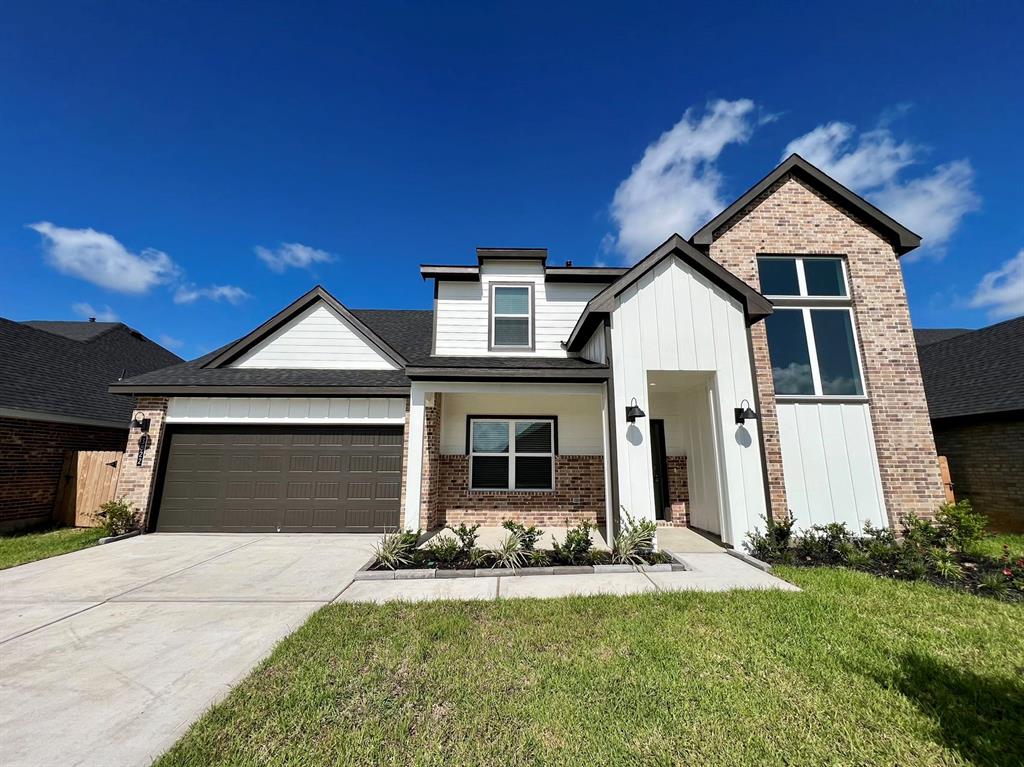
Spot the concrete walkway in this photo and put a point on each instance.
(705, 572)
(108, 654)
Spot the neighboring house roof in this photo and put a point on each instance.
(902, 238)
(977, 372)
(925, 336)
(61, 370)
(597, 309)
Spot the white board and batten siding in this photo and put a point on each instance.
(463, 310)
(674, 319)
(294, 411)
(830, 464)
(318, 338)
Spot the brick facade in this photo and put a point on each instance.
(986, 455)
(678, 491)
(136, 483)
(31, 457)
(578, 495)
(792, 218)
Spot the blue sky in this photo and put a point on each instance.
(192, 168)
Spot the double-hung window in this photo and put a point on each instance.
(511, 317)
(511, 453)
(811, 337)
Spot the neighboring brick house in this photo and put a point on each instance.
(974, 381)
(53, 399)
(764, 366)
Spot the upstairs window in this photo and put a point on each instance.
(512, 454)
(511, 316)
(811, 338)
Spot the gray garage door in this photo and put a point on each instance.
(316, 480)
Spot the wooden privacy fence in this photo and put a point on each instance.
(88, 479)
(947, 482)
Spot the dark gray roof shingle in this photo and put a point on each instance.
(981, 371)
(76, 331)
(925, 336)
(49, 372)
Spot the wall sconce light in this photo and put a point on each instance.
(139, 421)
(633, 411)
(744, 413)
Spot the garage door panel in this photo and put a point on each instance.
(265, 479)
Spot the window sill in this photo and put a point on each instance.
(853, 399)
(496, 491)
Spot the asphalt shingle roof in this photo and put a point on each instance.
(51, 372)
(977, 372)
(925, 336)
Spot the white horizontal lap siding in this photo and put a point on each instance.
(594, 349)
(830, 464)
(580, 430)
(318, 338)
(463, 311)
(309, 411)
(674, 319)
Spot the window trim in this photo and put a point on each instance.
(530, 318)
(511, 419)
(805, 304)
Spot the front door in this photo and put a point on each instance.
(659, 464)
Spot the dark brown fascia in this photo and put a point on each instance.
(756, 307)
(258, 391)
(551, 273)
(440, 272)
(293, 310)
(512, 254)
(902, 238)
(518, 375)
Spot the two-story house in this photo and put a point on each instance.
(766, 364)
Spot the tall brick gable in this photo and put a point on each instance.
(792, 218)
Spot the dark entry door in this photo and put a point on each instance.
(659, 464)
(266, 479)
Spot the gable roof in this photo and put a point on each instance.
(290, 312)
(925, 336)
(756, 306)
(977, 372)
(902, 238)
(64, 376)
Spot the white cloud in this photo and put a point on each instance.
(106, 314)
(99, 258)
(933, 205)
(292, 254)
(1001, 293)
(189, 293)
(675, 187)
(170, 342)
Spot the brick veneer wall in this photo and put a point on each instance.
(792, 218)
(136, 483)
(678, 491)
(578, 495)
(429, 490)
(986, 456)
(31, 457)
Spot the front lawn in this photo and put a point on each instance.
(854, 670)
(19, 548)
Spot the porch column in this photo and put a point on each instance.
(414, 459)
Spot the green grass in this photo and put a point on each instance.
(856, 670)
(20, 548)
(992, 545)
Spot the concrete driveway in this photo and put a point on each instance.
(107, 655)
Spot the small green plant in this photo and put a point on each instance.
(994, 584)
(963, 526)
(444, 550)
(396, 549)
(635, 541)
(921, 534)
(825, 544)
(772, 545)
(528, 535)
(478, 557)
(118, 517)
(509, 553)
(945, 567)
(538, 558)
(577, 545)
(467, 535)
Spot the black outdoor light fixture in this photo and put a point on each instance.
(140, 421)
(633, 411)
(744, 413)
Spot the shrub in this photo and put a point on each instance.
(773, 545)
(829, 544)
(921, 534)
(538, 558)
(577, 545)
(396, 549)
(467, 536)
(509, 553)
(118, 517)
(527, 535)
(634, 541)
(963, 526)
(444, 550)
(478, 557)
(945, 567)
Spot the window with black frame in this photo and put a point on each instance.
(511, 453)
(811, 338)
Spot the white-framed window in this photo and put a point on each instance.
(812, 341)
(511, 453)
(511, 316)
